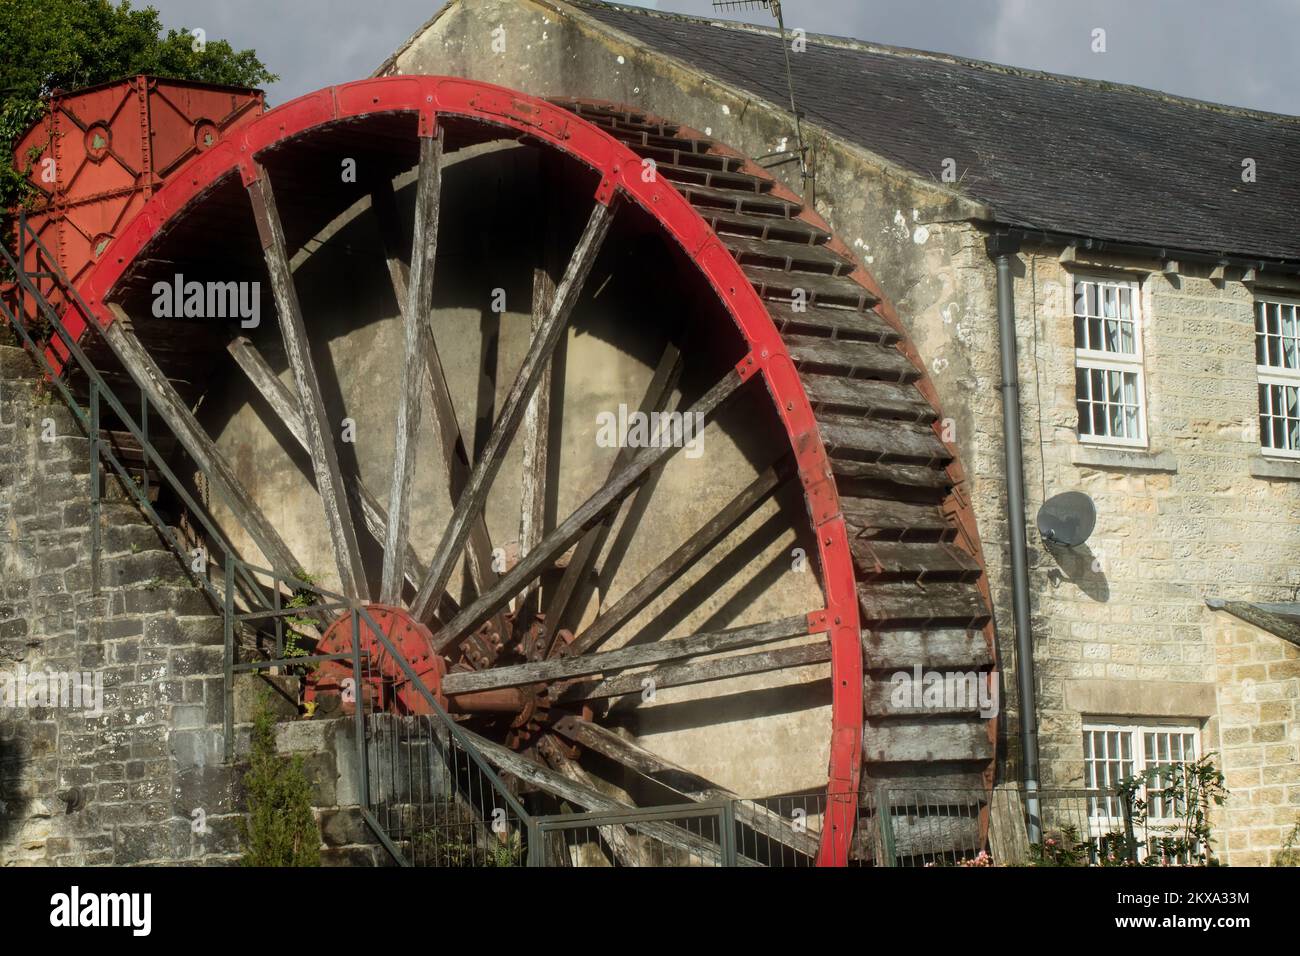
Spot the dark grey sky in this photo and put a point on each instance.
(1243, 53)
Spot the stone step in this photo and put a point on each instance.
(142, 568)
(149, 598)
(135, 538)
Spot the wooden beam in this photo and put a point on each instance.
(441, 409)
(593, 541)
(424, 246)
(616, 836)
(297, 347)
(671, 567)
(588, 798)
(563, 668)
(537, 417)
(485, 469)
(201, 449)
(699, 672)
(569, 530)
(288, 409)
(682, 781)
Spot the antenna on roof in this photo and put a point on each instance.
(801, 153)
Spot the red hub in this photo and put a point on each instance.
(384, 682)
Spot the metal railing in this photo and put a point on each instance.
(426, 791)
(250, 598)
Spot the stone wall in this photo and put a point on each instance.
(1259, 728)
(1120, 627)
(139, 780)
(1121, 624)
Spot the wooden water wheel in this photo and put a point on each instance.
(764, 589)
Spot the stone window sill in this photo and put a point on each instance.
(1123, 459)
(1286, 468)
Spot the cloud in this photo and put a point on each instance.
(1198, 48)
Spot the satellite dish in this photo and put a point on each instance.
(1067, 519)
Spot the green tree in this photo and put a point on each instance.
(47, 45)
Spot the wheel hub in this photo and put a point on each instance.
(386, 685)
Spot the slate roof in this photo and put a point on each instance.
(1282, 619)
(1050, 152)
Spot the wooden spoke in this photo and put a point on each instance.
(415, 327)
(589, 548)
(162, 396)
(665, 573)
(289, 410)
(537, 418)
(563, 668)
(441, 410)
(559, 540)
(475, 494)
(320, 433)
(617, 837)
(699, 672)
(682, 781)
(588, 797)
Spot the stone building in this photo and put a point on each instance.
(1175, 216)
(1149, 257)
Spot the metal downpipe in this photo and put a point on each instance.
(1001, 249)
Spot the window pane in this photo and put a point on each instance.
(1114, 380)
(1126, 338)
(1099, 420)
(1094, 334)
(1112, 335)
(1080, 332)
(1109, 306)
(1081, 298)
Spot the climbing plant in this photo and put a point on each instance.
(279, 829)
(1186, 793)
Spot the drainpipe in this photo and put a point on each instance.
(1002, 250)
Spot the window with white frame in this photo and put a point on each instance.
(1113, 752)
(1277, 360)
(1109, 390)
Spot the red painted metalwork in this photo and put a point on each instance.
(100, 153)
(384, 684)
(620, 170)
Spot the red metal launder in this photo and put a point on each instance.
(620, 169)
(105, 149)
